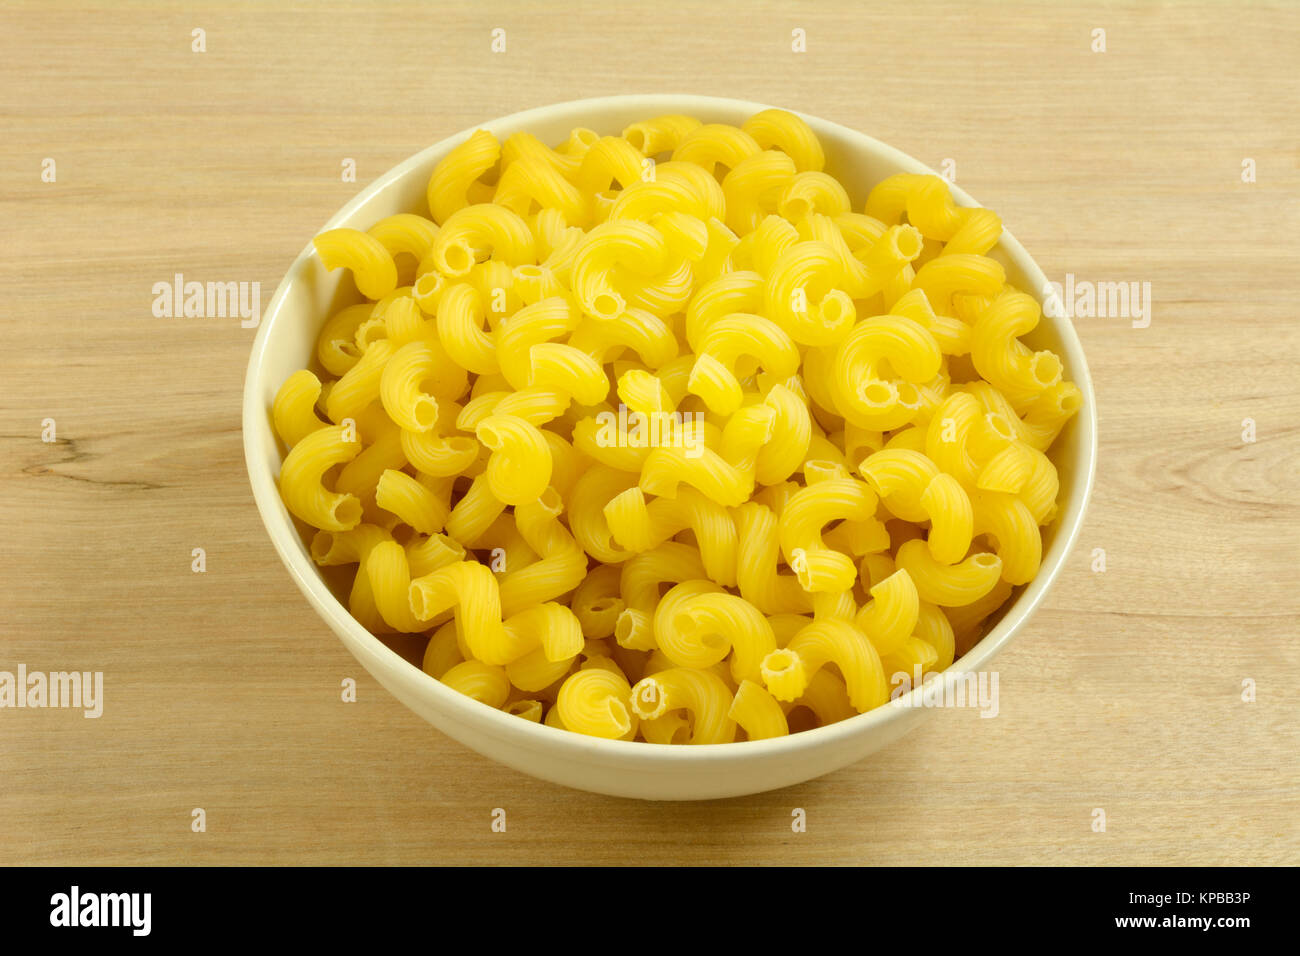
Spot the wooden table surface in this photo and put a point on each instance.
(222, 689)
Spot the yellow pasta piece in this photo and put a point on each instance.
(482, 228)
(715, 144)
(472, 590)
(451, 187)
(804, 295)
(598, 600)
(826, 697)
(520, 467)
(561, 563)
(999, 356)
(866, 398)
(302, 487)
(399, 387)
(949, 277)
(639, 526)
(697, 625)
(527, 708)
(783, 130)
(484, 682)
(820, 568)
(535, 671)
(890, 617)
(405, 233)
(1019, 543)
(949, 585)
(701, 693)
(757, 553)
(641, 577)
(757, 712)
(360, 385)
(363, 255)
(933, 627)
(294, 409)
(533, 182)
(726, 341)
(754, 189)
(441, 654)
(597, 702)
(951, 517)
(659, 135)
(786, 671)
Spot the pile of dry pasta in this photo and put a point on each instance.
(656, 438)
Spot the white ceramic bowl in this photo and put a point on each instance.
(285, 343)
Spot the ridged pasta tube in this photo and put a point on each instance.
(597, 702)
(594, 489)
(863, 395)
(757, 553)
(472, 590)
(666, 469)
(944, 277)
(301, 476)
(640, 580)
(729, 339)
(806, 513)
(399, 387)
(363, 255)
(451, 186)
(483, 682)
(471, 234)
(791, 429)
(360, 385)
(1000, 357)
(439, 454)
(890, 617)
(949, 585)
(562, 563)
(534, 182)
(294, 410)
(389, 572)
(932, 626)
(624, 245)
(930, 207)
(715, 144)
(787, 671)
(1009, 521)
(698, 625)
(754, 188)
(639, 526)
(659, 135)
(520, 466)
(701, 693)
(540, 322)
(461, 320)
(413, 502)
(803, 295)
(783, 130)
(598, 601)
(757, 712)
(405, 233)
(738, 292)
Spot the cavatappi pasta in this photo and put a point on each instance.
(665, 437)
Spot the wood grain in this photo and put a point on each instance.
(222, 688)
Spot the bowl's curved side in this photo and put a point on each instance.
(287, 336)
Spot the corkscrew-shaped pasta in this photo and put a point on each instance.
(658, 436)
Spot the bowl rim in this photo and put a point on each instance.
(640, 754)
